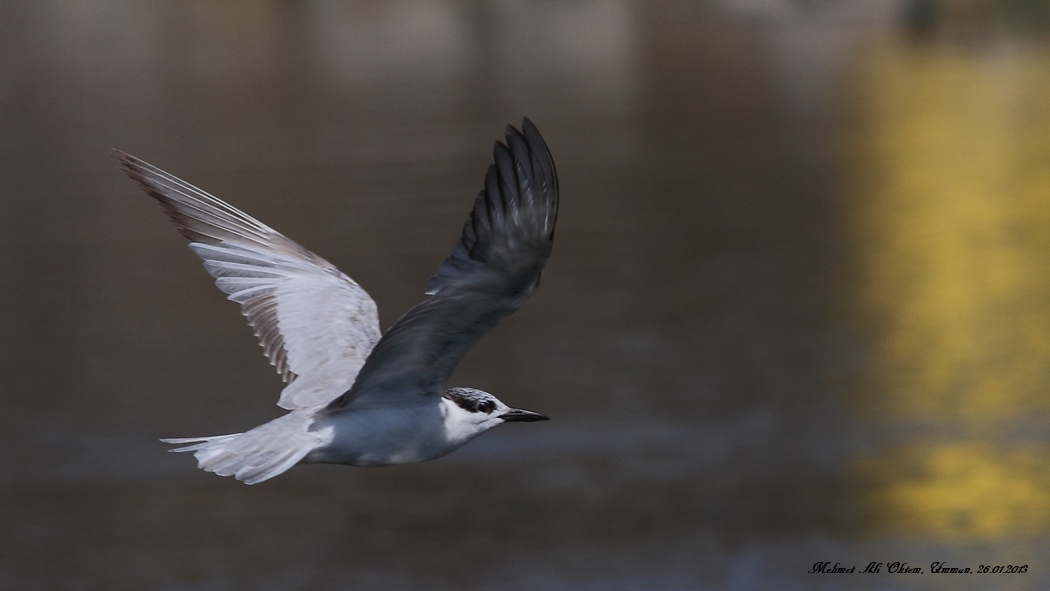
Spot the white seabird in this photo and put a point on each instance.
(356, 397)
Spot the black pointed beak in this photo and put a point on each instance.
(522, 416)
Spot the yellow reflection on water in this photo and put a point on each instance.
(969, 490)
(953, 225)
(956, 229)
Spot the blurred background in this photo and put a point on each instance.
(798, 309)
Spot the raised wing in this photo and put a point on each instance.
(493, 268)
(316, 325)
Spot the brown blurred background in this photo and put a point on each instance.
(798, 309)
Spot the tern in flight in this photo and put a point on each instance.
(356, 397)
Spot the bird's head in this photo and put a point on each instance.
(469, 412)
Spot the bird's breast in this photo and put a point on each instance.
(382, 436)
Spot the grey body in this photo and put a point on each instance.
(356, 397)
(383, 436)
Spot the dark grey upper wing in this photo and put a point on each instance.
(493, 268)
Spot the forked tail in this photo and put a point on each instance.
(256, 455)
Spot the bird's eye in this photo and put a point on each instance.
(486, 406)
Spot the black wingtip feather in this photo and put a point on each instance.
(541, 153)
(137, 170)
(518, 206)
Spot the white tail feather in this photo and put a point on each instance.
(256, 455)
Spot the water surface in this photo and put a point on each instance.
(797, 310)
